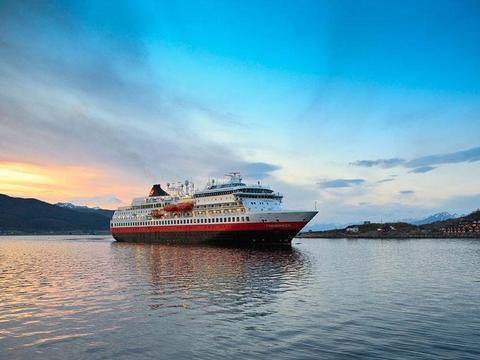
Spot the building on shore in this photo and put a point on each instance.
(463, 227)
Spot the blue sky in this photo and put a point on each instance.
(369, 108)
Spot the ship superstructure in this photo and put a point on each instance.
(228, 212)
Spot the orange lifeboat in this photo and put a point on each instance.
(170, 207)
(157, 213)
(185, 206)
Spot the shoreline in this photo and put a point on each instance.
(387, 236)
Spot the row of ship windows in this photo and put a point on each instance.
(257, 191)
(185, 221)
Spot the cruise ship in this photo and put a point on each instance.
(226, 213)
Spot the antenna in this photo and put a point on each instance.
(234, 176)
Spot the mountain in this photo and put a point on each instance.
(66, 205)
(85, 209)
(466, 227)
(26, 216)
(441, 216)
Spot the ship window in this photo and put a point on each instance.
(229, 219)
(238, 219)
(248, 219)
(209, 220)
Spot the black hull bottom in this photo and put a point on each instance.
(274, 237)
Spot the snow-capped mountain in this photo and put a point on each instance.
(441, 216)
(68, 205)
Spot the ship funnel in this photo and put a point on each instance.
(157, 191)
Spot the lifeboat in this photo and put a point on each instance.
(182, 206)
(171, 207)
(157, 213)
(185, 206)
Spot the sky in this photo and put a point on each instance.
(368, 109)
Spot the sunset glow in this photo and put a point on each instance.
(88, 186)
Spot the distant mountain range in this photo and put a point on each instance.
(32, 216)
(85, 209)
(441, 216)
(464, 226)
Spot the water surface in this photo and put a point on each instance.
(91, 298)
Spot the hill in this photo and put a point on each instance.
(32, 216)
(406, 230)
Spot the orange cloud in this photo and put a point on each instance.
(54, 183)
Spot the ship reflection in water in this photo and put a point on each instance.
(92, 298)
(214, 279)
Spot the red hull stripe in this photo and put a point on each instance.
(297, 225)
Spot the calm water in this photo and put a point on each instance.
(91, 298)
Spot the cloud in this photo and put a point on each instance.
(422, 169)
(385, 180)
(469, 155)
(424, 164)
(68, 93)
(383, 163)
(406, 192)
(340, 183)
